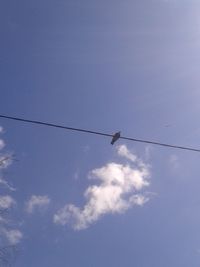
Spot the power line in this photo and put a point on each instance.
(98, 133)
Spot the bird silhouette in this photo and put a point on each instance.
(115, 137)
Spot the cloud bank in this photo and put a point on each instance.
(119, 188)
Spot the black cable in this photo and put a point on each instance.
(98, 133)
(54, 125)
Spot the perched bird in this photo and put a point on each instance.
(115, 137)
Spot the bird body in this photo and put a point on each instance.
(115, 137)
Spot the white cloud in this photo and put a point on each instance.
(37, 202)
(124, 152)
(5, 161)
(139, 200)
(2, 144)
(6, 202)
(14, 236)
(7, 236)
(6, 184)
(117, 190)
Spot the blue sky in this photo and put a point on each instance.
(107, 66)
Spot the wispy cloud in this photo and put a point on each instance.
(5, 160)
(124, 152)
(118, 189)
(8, 235)
(2, 144)
(4, 183)
(13, 236)
(37, 202)
(6, 202)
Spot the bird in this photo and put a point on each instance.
(115, 137)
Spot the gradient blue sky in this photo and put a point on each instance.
(107, 66)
